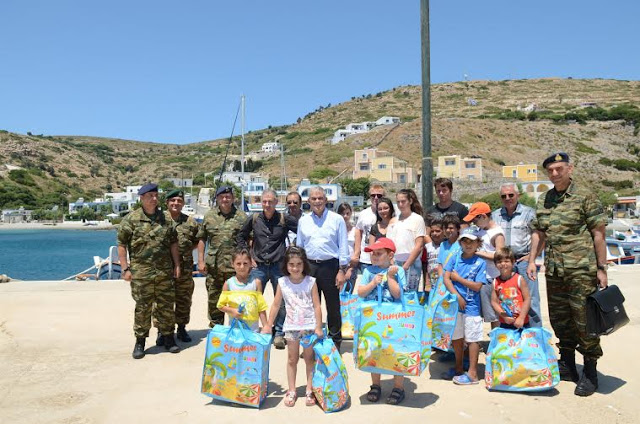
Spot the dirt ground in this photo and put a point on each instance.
(65, 357)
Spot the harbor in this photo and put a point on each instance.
(65, 358)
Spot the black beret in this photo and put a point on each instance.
(224, 189)
(554, 158)
(148, 188)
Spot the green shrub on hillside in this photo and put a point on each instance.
(321, 174)
(21, 176)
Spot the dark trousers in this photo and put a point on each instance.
(325, 275)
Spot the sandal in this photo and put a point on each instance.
(310, 399)
(464, 380)
(374, 394)
(396, 396)
(290, 398)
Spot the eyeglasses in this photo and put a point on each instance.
(509, 195)
(292, 203)
(375, 195)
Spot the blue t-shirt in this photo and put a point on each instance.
(474, 269)
(448, 251)
(371, 271)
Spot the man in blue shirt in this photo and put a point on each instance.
(323, 235)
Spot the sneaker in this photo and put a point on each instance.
(279, 342)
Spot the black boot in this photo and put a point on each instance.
(589, 381)
(567, 365)
(182, 334)
(170, 343)
(138, 349)
(159, 339)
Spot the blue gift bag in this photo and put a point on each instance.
(391, 337)
(521, 360)
(348, 306)
(330, 382)
(236, 364)
(442, 312)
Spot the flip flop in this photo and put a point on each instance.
(290, 398)
(464, 380)
(448, 375)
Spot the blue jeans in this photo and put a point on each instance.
(272, 273)
(535, 315)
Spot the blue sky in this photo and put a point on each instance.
(173, 72)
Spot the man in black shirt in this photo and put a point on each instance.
(270, 229)
(446, 205)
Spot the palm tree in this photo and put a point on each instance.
(211, 365)
(363, 339)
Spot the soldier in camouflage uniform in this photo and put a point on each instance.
(148, 236)
(571, 221)
(219, 228)
(187, 229)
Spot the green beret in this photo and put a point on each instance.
(175, 193)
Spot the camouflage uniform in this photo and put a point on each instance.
(220, 232)
(187, 229)
(570, 262)
(148, 241)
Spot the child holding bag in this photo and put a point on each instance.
(298, 291)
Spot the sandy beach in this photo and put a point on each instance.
(65, 357)
(67, 225)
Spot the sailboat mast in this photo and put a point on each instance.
(242, 152)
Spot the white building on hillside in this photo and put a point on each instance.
(271, 147)
(362, 127)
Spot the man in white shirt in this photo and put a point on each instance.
(323, 236)
(366, 219)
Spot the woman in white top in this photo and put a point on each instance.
(408, 234)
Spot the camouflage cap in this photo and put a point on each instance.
(147, 188)
(554, 158)
(175, 193)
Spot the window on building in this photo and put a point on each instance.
(402, 178)
(472, 177)
(364, 166)
(382, 166)
(449, 162)
(364, 156)
(470, 165)
(514, 173)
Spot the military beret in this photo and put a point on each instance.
(554, 158)
(175, 193)
(148, 188)
(224, 189)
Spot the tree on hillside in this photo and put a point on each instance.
(357, 187)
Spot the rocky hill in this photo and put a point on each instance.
(603, 140)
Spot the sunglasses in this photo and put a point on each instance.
(377, 196)
(292, 203)
(510, 196)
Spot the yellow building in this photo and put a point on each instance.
(522, 172)
(382, 166)
(457, 167)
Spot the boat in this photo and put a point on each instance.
(616, 253)
(103, 268)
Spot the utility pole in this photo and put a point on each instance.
(427, 160)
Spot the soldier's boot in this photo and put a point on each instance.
(170, 343)
(589, 381)
(160, 339)
(182, 334)
(567, 365)
(138, 349)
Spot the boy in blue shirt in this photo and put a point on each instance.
(449, 248)
(465, 275)
(383, 272)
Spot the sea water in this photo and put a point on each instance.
(51, 254)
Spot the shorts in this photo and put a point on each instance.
(469, 328)
(296, 335)
(488, 313)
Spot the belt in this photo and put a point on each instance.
(521, 256)
(268, 263)
(319, 261)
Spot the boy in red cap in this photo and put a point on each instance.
(384, 272)
(492, 236)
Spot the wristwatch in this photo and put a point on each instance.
(602, 267)
(126, 269)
